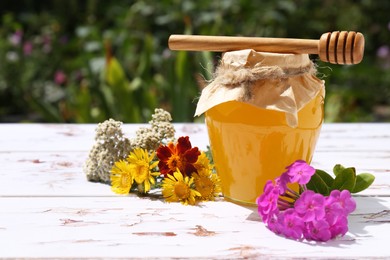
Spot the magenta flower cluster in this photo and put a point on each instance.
(308, 215)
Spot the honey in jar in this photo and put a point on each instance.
(274, 121)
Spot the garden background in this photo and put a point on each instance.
(86, 61)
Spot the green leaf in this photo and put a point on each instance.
(317, 184)
(338, 168)
(326, 177)
(363, 181)
(345, 180)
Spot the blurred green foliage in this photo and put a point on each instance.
(86, 61)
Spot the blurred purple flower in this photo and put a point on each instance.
(59, 77)
(16, 38)
(27, 48)
(383, 51)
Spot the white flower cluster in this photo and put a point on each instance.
(160, 131)
(111, 145)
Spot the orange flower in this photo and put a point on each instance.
(181, 156)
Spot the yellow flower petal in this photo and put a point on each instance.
(121, 177)
(141, 168)
(178, 189)
(178, 176)
(208, 185)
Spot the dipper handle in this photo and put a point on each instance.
(334, 47)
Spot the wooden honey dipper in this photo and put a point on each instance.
(334, 47)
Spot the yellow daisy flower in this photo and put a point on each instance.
(176, 188)
(203, 163)
(207, 184)
(141, 166)
(121, 177)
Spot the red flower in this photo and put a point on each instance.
(180, 156)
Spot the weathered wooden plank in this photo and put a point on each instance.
(47, 174)
(71, 137)
(135, 227)
(354, 137)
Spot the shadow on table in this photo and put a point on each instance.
(369, 211)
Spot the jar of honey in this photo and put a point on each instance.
(263, 121)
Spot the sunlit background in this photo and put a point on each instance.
(86, 61)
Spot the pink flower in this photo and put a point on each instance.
(344, 199)
(273, 224)
(306, 214)
(300, 172)
(268, 201)
(59, 77)
(282, 182)
(16, 38)
(310, 206)
(27, 48)
(292, 224)
(340, 227)
(317, 230)
(383, 52)
(332, 211)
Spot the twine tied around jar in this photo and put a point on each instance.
(281, 82)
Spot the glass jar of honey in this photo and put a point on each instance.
(273, 122)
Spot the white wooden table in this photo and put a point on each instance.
(49, 210)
